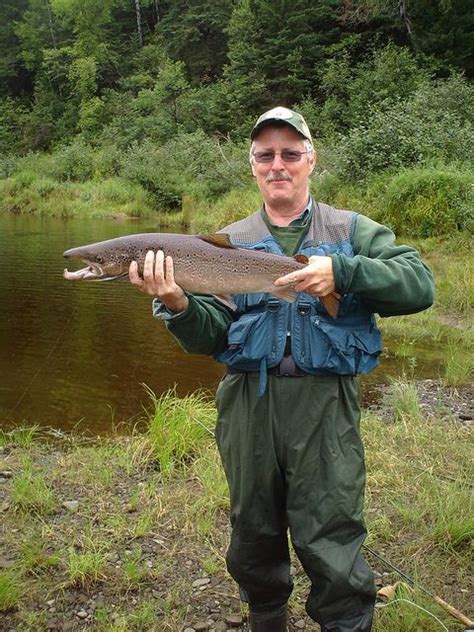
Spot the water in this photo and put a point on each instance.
(76, 355)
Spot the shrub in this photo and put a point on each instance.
(429, 202)
(189, 163)
(433, 124)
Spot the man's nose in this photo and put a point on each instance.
(277, 163)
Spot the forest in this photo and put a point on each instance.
(151, 102)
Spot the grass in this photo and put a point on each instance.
(28, 192)
(176, 425)
(419, 513)
(402, 400)
(31, 491)
(86, 565)
(10, 589)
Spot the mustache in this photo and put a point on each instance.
(279, 175)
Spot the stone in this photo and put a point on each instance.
(82, 614)
(197, 583)
(234, 620)
(71, 505)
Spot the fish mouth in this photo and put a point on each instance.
(93, 272)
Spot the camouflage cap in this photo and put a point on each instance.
(282, 116)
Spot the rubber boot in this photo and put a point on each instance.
(276, 621)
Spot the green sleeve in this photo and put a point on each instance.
(392, 279)
(202, 328)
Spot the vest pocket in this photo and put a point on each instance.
(249, 338)
(346, 351)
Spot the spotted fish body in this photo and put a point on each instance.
(203, 264)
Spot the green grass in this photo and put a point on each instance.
(31, 491)
(176, 425)
(28, 192)
(402, 401)
(133, 568)
(11, 589)
(87, 565)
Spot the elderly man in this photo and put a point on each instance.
(288, 405)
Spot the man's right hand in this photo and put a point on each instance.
(158, 280)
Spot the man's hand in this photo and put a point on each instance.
(158, 280)
(317, 278)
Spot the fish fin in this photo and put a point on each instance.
(226, 300)
(301, 259)
(331, 304)
(221, 240)
(286, 293)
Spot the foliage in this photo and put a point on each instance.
(423, 202)
(190, 163)
(433, 123)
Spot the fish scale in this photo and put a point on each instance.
(203, 264)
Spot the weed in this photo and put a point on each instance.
(31, 492)
(459, 367)
(133, 568)
(86, 567)
(176, 426)
(10, 589)
(403, 400)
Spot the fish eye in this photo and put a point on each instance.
(99, 259)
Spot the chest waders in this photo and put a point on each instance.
(291, 446)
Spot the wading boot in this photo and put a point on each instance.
(273, 621)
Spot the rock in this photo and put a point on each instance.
(200, 626)
(234, 620)
(300, 624)
(71, 505)
(188, 630)
(82, 614)
(51, 602)
(201, 582)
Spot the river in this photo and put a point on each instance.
(76, 355)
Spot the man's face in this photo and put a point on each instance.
(282, 184)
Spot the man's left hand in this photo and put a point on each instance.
(317, 278)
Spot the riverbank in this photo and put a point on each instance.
(129, 533)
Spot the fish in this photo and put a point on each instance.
(203, 264)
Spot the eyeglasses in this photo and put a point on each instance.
(287, 155)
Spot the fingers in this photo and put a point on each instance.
(291, 278)
(317, 278)
(133, 274)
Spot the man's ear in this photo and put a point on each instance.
(312, 162)
(253, 169)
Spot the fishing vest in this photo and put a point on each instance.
(347, 345)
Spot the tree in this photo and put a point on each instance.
(194, 31)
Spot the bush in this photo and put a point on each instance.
(434, 124)
(422, 202)
(192, 164)
(429, 202)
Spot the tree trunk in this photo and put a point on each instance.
(139, 22)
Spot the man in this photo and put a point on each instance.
(288, 406)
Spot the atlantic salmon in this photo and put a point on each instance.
(203, 264)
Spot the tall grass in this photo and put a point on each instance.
(10, 589)
(31, 491)
(177, 425)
